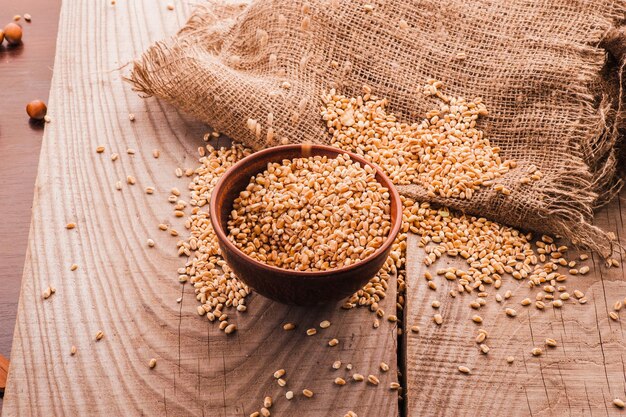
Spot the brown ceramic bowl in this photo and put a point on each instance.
(284, 285)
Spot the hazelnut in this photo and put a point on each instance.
(13, 33)
(36, 109)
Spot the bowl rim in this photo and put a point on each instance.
(386, 182)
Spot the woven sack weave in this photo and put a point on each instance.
(541, 67)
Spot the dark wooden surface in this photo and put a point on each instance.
(25, 74)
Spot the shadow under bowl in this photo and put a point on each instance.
(284, 285)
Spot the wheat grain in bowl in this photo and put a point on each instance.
(311, 214)
(289, 285)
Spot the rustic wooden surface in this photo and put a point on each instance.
(25, 74)
(580, 377)
(128, 290)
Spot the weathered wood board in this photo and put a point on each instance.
(128, 290)
(580, 377)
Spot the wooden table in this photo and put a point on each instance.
(128, 290)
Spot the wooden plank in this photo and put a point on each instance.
(128, 290)
(580, 377)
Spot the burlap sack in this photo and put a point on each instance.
(540, 65)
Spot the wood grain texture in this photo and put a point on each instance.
(580, 377)
(128, 290)
(25, 74)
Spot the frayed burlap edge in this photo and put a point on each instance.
(568, 204)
